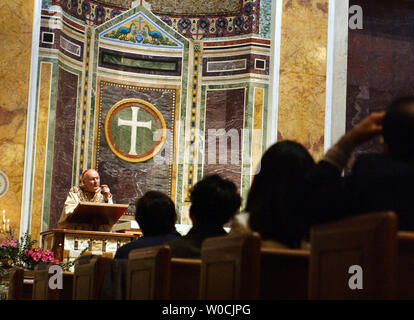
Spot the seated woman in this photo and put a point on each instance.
(214, 201)
(276, 196)
(156, 216)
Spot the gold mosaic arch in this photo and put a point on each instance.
(158, 146)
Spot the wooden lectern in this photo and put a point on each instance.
(96, 214)
(67, 245)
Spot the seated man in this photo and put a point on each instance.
(89, 191)
(214, 201)
(155, 214)
(379, 182)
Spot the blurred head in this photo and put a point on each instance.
(276, 192)
(90, 180)
(155, 213)
(398, 128)
(214, 201)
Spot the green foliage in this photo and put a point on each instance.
(25, 244)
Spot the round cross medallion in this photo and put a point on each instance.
(135, 130)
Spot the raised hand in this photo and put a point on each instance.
(369, 128)
(105, 191)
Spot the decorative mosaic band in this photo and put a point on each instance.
(243, 21)
(92, 11)
(212, 26)
(85, 99)
(194, 94)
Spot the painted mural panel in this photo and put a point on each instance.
(139, 30)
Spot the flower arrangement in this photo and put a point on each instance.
(14, 253)
(8, 252)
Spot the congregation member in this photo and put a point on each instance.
(378, 182)
(156, 216)
(214, 201)
(90, 190)
(275, 197)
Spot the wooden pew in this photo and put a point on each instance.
(148, 273)
(230, 268)
(41, 283)
(20, 284)
(368, 241)
(16, 277)
(284, 274)
(88, 277)
(405, 274)
(185, 279)
(41, 290)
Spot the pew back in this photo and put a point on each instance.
(16, 277)
(41, 289)
(148, 273)
(88, 277)
(185, 279)
(405, 275)
(284, 274)
(230, 268)
(368, 241)
(41, 283)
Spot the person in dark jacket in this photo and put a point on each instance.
(378, 182)
(214, 201)
(273, 197)
(156, 216)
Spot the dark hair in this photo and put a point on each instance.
(155, 213)
(214, 201)
(276, 193)
(398, 127)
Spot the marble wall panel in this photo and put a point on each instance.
(45, 41)
(71, 47)
(233, 65)
(257, 129)
(147, 60)
(224, 111)
(301, 110)
(63, 143)
(16, 18)
(380, 61)
(129, 181)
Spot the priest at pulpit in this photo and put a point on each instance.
(90, 190)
